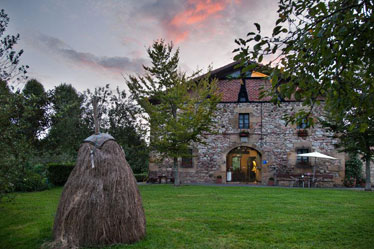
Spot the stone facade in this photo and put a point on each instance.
(268, 134)
(270, 146)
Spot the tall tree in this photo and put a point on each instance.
(325, 51)
(9, 58)
(35, 115)
(67, 131)
(348, 127)
(178, 109)
(15, 146)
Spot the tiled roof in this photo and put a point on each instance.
(230, 89)
(254, 88)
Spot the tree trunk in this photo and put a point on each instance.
(175, 166)
(95, 116)
(176, 173)
(368, 182)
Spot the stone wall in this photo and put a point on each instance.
(269, 135)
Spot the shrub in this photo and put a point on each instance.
(31, 181)
(58, 173)
(361, 182)
(31, 178)
(40, 169)
(353, 171)
(349, 182)
(141, 177)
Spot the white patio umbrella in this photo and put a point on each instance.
(316, 155)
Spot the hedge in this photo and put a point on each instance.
(142, 177)
(58, 173)
(31, 181)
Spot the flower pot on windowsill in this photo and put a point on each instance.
(302, 133)
(244, 134)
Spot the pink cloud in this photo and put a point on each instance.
(180, 37)
(198, 12)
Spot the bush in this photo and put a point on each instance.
(30, 178)
(349, 182)
(142, 177)
(353, 171)
(31, 181)
(58, 173)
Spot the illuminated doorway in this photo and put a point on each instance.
(244, 163)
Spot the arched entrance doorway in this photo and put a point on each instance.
(244, 163)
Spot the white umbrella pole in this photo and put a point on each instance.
(314, 169)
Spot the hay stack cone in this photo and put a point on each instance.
(100, 204)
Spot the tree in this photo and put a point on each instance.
(347, 126)
(15, 147)
(323, 51)
(67, 131)
(118, 117)
(36, 103)
(178, 109)
(9, 58)
(353, 171)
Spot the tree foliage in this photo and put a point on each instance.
(36, 107)
(67, 130)
(353, 170)
(20, 118)
(322, 51)
(9, 57)
(15, 145)
(118, 117)
(177, 108)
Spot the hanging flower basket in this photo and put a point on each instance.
(302, 133)
(244, 134)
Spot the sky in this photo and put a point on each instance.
(91, 43)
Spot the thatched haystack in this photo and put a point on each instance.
(100, 203)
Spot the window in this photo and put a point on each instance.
(243, 121)
(242, 99)
(243, 95)
(187, 161)
(302, 159)
(244, 139)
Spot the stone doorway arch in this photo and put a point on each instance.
(244, 163)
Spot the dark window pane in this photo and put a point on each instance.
(302, 159)
(243, 120)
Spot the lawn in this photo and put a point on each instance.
(217, 217)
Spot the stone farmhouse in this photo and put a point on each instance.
(253, 144)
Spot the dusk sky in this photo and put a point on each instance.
(90, 43)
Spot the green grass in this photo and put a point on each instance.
(217, 217)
